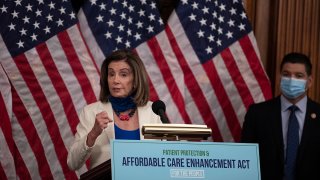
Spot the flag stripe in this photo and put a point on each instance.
(6, 138)
(6, 161)
(90, 39)
(229, 85)
(189, 106)
(49, 91)
(66, 73)
(12, 163)
(88, 64)
(179, 78)
(161, 90)
(202, 78)
(2, 173)
(194, 87)
(5, 122)
(168, 78)
(256, 66)
(71, 82)
(45, 110)
(20, 137)
(223, 98)
(78, 34)
(234, 100)
(21, 168)
(59, 86)
(246, 72)
(77, 67)
(8, 65)
(32, 137)
(153, 94)
(236, 76)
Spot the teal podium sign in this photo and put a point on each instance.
(167, 160)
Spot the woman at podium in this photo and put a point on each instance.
(122, 109)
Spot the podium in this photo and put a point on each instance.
(103, 171)
(171, 132)
(172, 153)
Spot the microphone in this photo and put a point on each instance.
(159, 108)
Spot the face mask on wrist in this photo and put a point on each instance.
(292, 87)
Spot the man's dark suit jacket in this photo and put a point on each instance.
(262, 125)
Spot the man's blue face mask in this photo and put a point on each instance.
(292, 87)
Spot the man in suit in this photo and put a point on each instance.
(267, 124)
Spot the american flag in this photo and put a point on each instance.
(50, 77)
(204, 64)
(210, 66)
(111, 25)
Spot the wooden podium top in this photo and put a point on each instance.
(103, 171)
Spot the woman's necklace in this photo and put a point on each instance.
(125, 117)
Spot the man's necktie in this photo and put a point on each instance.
(292, 144)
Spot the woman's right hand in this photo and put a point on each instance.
(101, 122)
